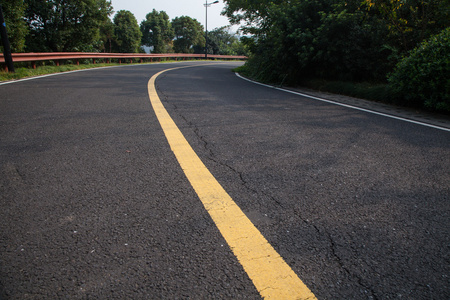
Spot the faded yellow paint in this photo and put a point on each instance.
(270, 274)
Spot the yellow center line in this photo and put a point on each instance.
(271, 275)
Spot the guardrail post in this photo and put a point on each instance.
(93, 61)
(78, 62)
(33, 65)
(57, 62)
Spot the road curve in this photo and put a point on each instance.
(95, 205)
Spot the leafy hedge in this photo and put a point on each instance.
(422, 79)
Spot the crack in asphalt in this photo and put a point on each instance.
(338, 259)
(340, 262)
(212, 157)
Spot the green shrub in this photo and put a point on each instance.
(422, 79)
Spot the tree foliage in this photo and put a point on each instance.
(333, 39)
(189, 35)
(157, 32)
(107, 36)
(65, 25)
(13, 12)
(255, 16)
(223, 42)
(127, 32)
(85, 26)
(411, 21)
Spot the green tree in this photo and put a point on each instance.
(127, 32)
(107, 36)
(189, 35)
(240, 47)
(349, 45)
(65, 25)
(409, 22)
(333, 39)
(254, 16)
(283, 36)
(13, 11)
(157, 32)
(222, 41)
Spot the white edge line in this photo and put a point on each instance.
(347, 105)
(67, 72)
(54, 74)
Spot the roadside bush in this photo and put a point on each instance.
(422, 79)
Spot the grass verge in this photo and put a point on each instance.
(44, 70)
(23, 72)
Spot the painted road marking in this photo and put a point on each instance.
(271, 275)
(348, 105)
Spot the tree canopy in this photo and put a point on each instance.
(14, 11)
(127, 32)
(86, 26)
(157, 32)
(107, 36)
(189, 36)
(65, 25)
(223, 42)
(333, 39)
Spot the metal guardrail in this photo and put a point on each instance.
(58, 56)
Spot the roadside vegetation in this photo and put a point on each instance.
(23, 72)
(393, 51)
(43, 69)
(93, 26)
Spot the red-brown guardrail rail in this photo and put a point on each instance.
(58, 56)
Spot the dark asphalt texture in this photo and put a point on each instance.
(93, 204)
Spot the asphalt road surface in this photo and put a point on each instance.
(94, 204)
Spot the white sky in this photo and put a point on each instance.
(176, 8)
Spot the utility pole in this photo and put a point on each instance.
(206, 26)
(6, 47)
